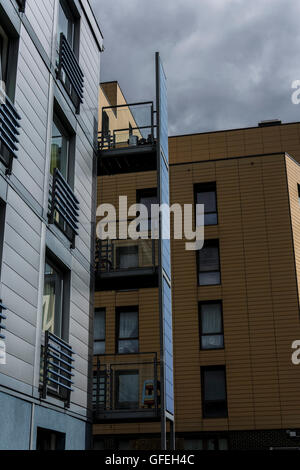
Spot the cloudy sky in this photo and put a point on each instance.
(229, 63)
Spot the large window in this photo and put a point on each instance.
(209, 263)
(99, 331)
(54, 299)
(127, 330)
(214, 398)
(60, 148)
(66, 22)
(127, 389)
(211, 325)
(206, 194)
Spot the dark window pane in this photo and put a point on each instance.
(99, 347)
(127, 257)
(128, 325)
(59, 149)
(210, 219)
(66, 23)
(212, 342)
(214, 385)
(128, 390)
(208, 198)
(52, 300)
(207, 279)
(211, 318)
(127, 346)
(209, 258)
(99, 325)
(217, 409)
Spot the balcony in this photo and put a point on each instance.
(2, 317)
(70, 73)
(56, 369)
(126, 388)
(9, 125)
(127, 142)
(127, 263)
(63, 207)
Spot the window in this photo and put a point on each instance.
(128, 330)
(50, 440)
(206, 194)
(99, 331)
(66, 23)
(99, 390)
(214, 399)
(206, 444)
(211, 325)
(127, 389)
(54, 299)
(127, 257)
(147, 197)
(60, 148)
(4, 43)
(209, 263)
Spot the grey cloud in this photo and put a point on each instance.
(230, 63)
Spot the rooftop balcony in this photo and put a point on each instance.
(126, 388)
(127, 142)
(126, 263)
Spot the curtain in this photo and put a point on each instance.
(128, 325)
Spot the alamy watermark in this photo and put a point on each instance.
(135, 222)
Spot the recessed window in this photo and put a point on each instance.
(128, 330)
(99, 331)
(211, 325)
(66, 22)
(206, 194)
(214, 398)
(60, 148)
(54, 298)
(50, 440)
(4, 45)
(209, 264)
(127, 389)
(127, 257)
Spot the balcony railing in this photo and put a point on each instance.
(126, 387)
(9, 124)
(138, 130)
(57, 359)
(70, 73)
(63, 207)
(21, 4)
(2, 317)
(126, 257)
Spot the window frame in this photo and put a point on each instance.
(64, 301)
(201, 334)
(209, 241)
(204, 369)
(203, 188)
(119, 311)
(13, 38)
(100, 310)
(65, 132)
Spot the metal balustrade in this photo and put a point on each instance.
(2, 317)
(63, 207)
(57, 368)
(126, 387)
(9, 125)
(68, 65)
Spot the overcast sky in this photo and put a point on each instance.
(229, 63)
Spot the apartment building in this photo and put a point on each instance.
(235, 301)
(50, 68)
